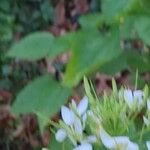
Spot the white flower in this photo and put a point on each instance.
(45, 148)
(60, 135)
(148, 104)
(75, 120)
(133, 98)
(84, 146)
(91, 139)
(67, 115)
(84, 118)
(78, 126)
(146, 121)
(116, 143)
(148, 145)
(82, 106)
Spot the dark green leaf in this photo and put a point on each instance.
(43, 95)
(142, 26)
(115, 66)
(114, 8)
(33, 47)
(90, 51)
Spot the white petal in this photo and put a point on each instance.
(148, 104)
(121, 139)
(84, 146)
(146, 121)
(84, 118)
(132, 146)
(128, 96)
(83, 105)
(67, 115)
(44, 148)
(138, 94)
(106, 139)
(148, 145)
(60, 135)
(78, 126)
(91, 139)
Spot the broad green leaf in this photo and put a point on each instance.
(95, 20)
(90, 51)
(36, 46)
(62, 43)
(115, 66)
(127, 29)
(142, 26)
(43, 95)
(146, 4)
(137, 61)
(114, 8)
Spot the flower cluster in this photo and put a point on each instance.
(120, 121)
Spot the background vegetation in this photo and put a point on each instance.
(48, 46)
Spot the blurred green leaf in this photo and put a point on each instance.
(43, 95)
(127, 29)
(94, 18)
(90, 51)
(136, 61)
(33, 47)
(146, 4)
(142, 26)
(115, 66)
(114, 8)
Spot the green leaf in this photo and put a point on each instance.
(115, 66)
(137, 61)
(34, 46)
(43, 95)
(115, 8)
(142, 26)
(127, 29)
(94, 18)
(90, 51)
(146, 4)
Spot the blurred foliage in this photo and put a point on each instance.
(110, 41)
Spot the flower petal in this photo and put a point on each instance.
(106, 139)
(138, 94)
(84, 118)
(45, 148)
(84, 146)
(128, 96)
(121, 140)
(60, 135)
(148, 145)
(67, 115)
(78, 126)
(146, 121)
(83, 105)
(132, 146)
(91, 139)
(148, 104)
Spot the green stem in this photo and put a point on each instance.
(141, 135)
